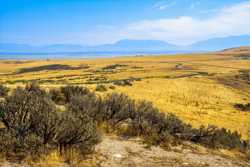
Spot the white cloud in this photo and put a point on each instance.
(194, 4)
(162, 5)
(230, 20)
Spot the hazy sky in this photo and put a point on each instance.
(95, 22)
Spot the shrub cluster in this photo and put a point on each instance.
(49, 67)
(125, 82)
(3, 91)
(142, 119)
(101, 88)
(215, 137)
(57, 96)
(71, 91)
(114, 66)
(32, 125)
(243, 107)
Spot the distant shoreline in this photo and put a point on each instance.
(65, 55)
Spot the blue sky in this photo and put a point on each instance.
(93, 22)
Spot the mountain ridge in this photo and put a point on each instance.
(127, 45)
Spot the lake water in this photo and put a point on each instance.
(21, 56)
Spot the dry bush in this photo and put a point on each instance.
(117, 108)
(163, 129)
(57, 96)
(48, 68)
(33, 126)
(3, 91)
(113, 66)
(70, 91)
(101, 88)
(89, 104)
(111, 87)
(125, 82)
(19, 111)
(21, 114)
(13, 147)
(243, 107)
(155, 127)
(35, 89)
(76, 131)
(215, 137)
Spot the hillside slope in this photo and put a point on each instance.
(238, 50)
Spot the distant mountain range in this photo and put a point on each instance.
(216, 44)
(127, 45)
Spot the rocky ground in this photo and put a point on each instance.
(126, 153)
(117, 152)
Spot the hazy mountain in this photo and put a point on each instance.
(143, 45)
(132, 46)
(123, 45)
(135, 45)
(62, 48)
(12, 47)
(221, 43)
(23, 48)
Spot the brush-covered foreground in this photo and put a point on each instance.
(200, 90)
(34, 125)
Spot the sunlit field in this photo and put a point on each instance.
(199, 89)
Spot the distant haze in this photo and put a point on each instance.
(130, 46)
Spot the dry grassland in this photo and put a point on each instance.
(200, 89)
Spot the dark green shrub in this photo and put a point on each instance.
(162, 129)
(113, 66)
(89, 104)
(3, 91)
(46, 124)
(70, 91)
(101, 88)
(57, 96)
(33, 126)
(117, 109)
(48, 68)
(76, 132)
(177, 128)
(8, 141)
(18, 111)
(155, 127)
(35, 89)
(112, 87)
(13, 147)
(26, 117)
(243, 107)
(125, 82)
(215, 137)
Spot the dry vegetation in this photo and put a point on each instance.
(201, 90)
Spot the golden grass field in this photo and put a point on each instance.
(201, 89)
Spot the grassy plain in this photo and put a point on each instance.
(201, 89)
